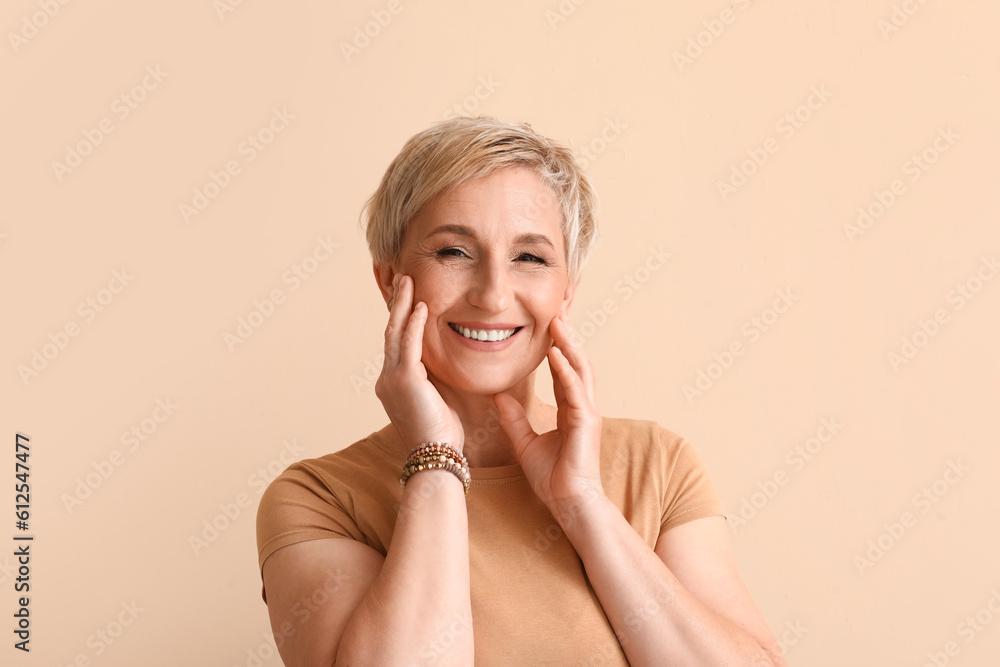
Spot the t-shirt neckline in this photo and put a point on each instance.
(382, 437)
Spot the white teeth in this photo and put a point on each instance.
(490, 335)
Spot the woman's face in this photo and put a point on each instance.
(488, 259)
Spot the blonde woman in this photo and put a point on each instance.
(522, 533)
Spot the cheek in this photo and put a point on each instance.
(552, 305)
(438, 289)
(426, 289)
(437, 301)
(544, 314)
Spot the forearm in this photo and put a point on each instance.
(421, 595)
(656, 619)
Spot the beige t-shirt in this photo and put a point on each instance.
(532, 603)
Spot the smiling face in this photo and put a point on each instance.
(489, 260)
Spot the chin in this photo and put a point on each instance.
(486, 383)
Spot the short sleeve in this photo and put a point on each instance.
(298, 506)
(689, 492)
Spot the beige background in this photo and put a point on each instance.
(661, 134)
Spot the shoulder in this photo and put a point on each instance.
(637, 439)
(645, 463)
(349, 493)
(356, 465)
(629, 443)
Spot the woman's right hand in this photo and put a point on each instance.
(412, 403)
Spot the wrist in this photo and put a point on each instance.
(425, 490)
(581, 508)
(416, 438)
(437, 455)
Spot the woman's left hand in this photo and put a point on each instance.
(563, 465)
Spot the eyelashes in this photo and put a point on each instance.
(452, 252)
(533, 258)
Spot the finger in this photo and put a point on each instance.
(411, 345)
(557, 387)
(514, 422)
(566, 381)
(396, 326)
(573, 353)
(562, 339)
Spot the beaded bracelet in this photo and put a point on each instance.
(437, 456)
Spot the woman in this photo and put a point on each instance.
(524, 533)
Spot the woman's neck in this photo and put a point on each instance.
(486, 443)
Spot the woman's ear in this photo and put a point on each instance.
(384, 274)
(567, 299)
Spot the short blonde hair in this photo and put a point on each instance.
(453, 151)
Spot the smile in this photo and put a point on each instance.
(485, 335)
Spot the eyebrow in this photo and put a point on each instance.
(462, 230)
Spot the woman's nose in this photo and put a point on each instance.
(491, 288)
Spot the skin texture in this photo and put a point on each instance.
(490, 254)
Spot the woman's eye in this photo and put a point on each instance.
(451, 252)
(528, 257)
